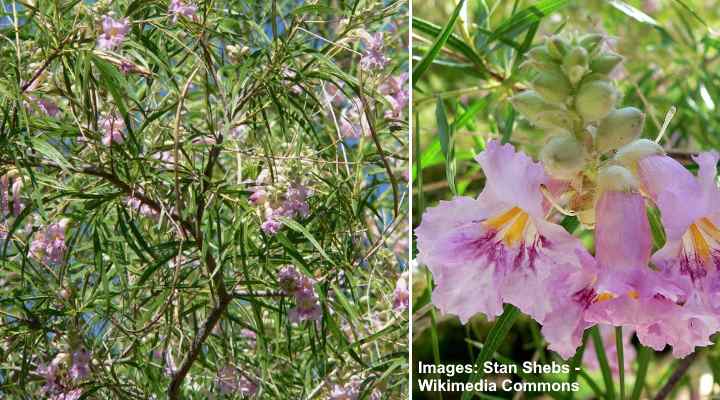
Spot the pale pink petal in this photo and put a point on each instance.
(512, 177)
(622, 235)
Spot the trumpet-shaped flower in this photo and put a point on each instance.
(499, 248)
(114, 32)
(662, 310)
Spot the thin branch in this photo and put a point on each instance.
(679, 372)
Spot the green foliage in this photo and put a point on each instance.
(167, 274)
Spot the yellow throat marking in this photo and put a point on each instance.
(511, 225)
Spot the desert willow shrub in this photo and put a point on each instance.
(203, 200)
(594, 166)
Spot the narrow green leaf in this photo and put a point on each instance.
(525, 18)
(494, 339)
(603, 361)
(424, 64)
(643, 360)
(47, 150)
(632, 12)
(294, 225)
(447, 144)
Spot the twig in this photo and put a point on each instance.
(681, 369)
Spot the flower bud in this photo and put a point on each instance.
(557, 120)
(605, 63)
(541, 55)
(595, 100)
(575, 64)
(629, 154)
(563, 156)
(529, 104)
(557, 47)
(619, 128)
(552, 85)
(617, 179)
(591, 42)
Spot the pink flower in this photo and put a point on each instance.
(661, 309)
(178, 8)
(74, 394)
(289, 279)
(113, 127)
(374, 55)
(229, 381)
(395, 88)
(80, 368)
(48, 107)
(49, 244)
(499, 248)
(354, 121)
(402, 294)
(114, 32)
(18, 203)
(334, 94)
(136, 204)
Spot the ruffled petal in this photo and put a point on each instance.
(674, 189)
(572, 293)
(468, 290)
(443, 225)
(622, 235)
(707, 175)
(512, 177)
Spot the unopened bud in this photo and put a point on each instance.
(557, 47)
(575, 64)
(555, 120)
(595, 100)
(605, 63)
(630, 154)
(540, 54)
(617, 179)
(530, 104)
(563, 156)
(619, 128)
(591, 41)
(552, 85)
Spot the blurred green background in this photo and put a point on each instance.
(671, 59)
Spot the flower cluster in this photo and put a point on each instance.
(307, 305)
(504, 246)
(351, 391)
(49, 243)
(112, 127)
(178, 8)
(114, 32)
(287, 198)
(59, 379)
(374, 53)
(229, 382)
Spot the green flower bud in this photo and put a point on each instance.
(617, 179)
(557, 47)
(529, 103)
(540, 55)
(595, 100)
(563, 156)
(591, 41)
(629, 154)
(605, 63)
(619, 128)
(541, 114)
(575, 64)
(555, 120)
(552, 85)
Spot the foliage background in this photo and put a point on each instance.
(131, 286)
(671, 51)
